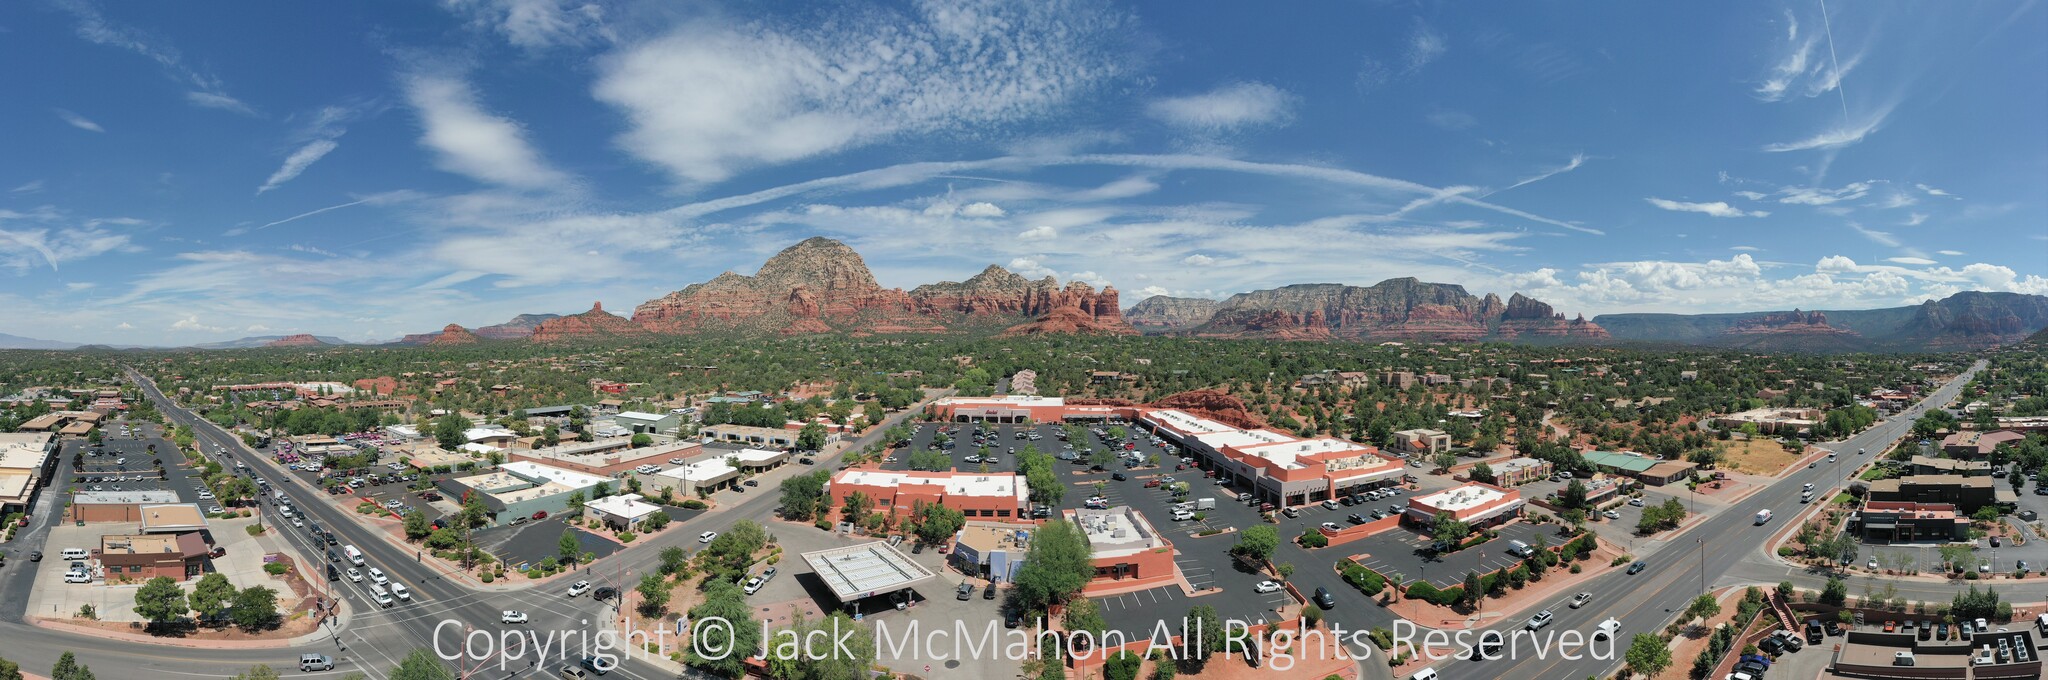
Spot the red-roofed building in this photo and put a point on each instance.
(994, 495)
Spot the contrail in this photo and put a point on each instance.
(37, 245)
(310, 214)
(1833, 62)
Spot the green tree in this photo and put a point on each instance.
(255, 608)
(1573, 496)
(849, 661)
(725, 600)
(1057, 565)
(1483, 473)
(1084, 615)
(161, 601)
(655, 521)
(1202, 635)
(1647, 654)
(9, 670)
(1835, 594)
(673, 558)
(68, 668)
(416, 525)
(811, 437)
(1702, 607)
(211, 595)
(641, 440)
(1257, 542)
(1475, 589)
(421, 665)
(576, 502)
(567, 547)
(937, 523)
(803, 496)
(1448, 530)
(449, 431)
(1444, 461)
(653, 595)
(856, 508)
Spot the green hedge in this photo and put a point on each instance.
(1422, 590)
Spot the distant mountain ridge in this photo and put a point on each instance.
(19, 342)
(1394, 309)
(299, 340)
(1966, 320)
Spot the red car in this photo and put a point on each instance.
(1151, 483)
(540, 515)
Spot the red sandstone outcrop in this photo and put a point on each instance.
(1794, 322)
(595, 324)
(453, 334)
(519, 327)
(299, 340)
(1404, 309)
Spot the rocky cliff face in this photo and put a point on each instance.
(1162, 314)
(595, 324)
(1395, 309)
(823, 286)
(519, 327)
(1976, 320)
(1968, 320)
(300, 340)
(453, 334)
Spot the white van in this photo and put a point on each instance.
(1182, 515)
(1424, 674)
(74, 553)
(1518, 548)
(355, 556)
(382, 596)
(400, 590)
(1763, 516)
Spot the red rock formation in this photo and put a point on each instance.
(1526, 317)
(1214, 405)
(519, 327)
(823, 286)
(299, 340)
(1274, 324)
(594, 324)
(1393, 309)
(1794, 322)
(453, 334)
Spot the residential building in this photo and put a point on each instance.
(1335, 378)
(1398, 379)
(1024, 382)
(1909, 522)
(995, 495)
(1474, 503)
(1126, 550)
(1422, 441)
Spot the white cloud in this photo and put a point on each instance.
(49, 236)
(1451, 120)
(1751, 195)
(537, 24)
(1542, 278)
(1915, 219)
(1425, 45)
(1231, 107)
(207, 90)
(1909, 260)
(1931, 191)
(1823, 196)
(1029, 268)
(1577, 160)
(1747, 249)
(1714, 209)
(191, 323)
(1897, 199)
(1199, 260)
(1039, 233)
(470, 141)
(1950, 253)
(1802, 68)
(256, 328)
(125, 326)
(1878, 237)
(29, 187)
(982, 209)
(298, 162)
(216, 100)
(707, 100)
(78, 121)
(1833, 138)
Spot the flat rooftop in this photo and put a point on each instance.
(612, 451)
(186, 544)
(984, 537)
(158, 519)
(537, 472)
(1116, 531)
(1009, 400)
(1186, 423)
(124, 497)
(865, 570)
(1460, 498)
(14, 485)
(628, 506)
(993, 484)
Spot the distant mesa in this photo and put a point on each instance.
(453, 334)
(1963, 321)
(298, 340)
(1164, 314)
(519, 327)
(595, 324)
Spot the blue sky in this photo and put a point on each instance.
(173, 174)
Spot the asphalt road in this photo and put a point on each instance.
(1726, 550)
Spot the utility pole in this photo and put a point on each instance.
(1703, 563)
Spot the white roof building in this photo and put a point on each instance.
(626, 510)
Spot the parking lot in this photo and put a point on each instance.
(1407, 553)
(1004, 443)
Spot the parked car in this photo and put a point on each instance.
(1267, 587)
(989, 592)
(964, 592)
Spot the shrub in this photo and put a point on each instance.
(1618, 561)
(534, 574)
(626, 537)
(1786, 551)
(275, 568)
(694, 504)
(488, 577)
(254, 529)
(1575, 568)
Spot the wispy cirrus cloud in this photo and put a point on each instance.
(1231, 107)
(78, 121)
(1833, 138)
(1577, 160)
(205, 90)
(1713, 209)
(537, 24)
(321, 137)
(1425, 45)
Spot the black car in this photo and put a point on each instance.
(1118, 477)
(1324, 599)
(1751, 668)
(1357, 518)
(989, 593)
(1012, 619)
(1348, 500)
(604, 593)
(1771, 645)
(917, 549)
(36, 556)
(1638, 567)
(806, 461)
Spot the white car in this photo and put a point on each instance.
(77, 576)
(1332, 526)
(377, 576)
(706, 536)
(298, 523)
(1541, 619)
(512, 616)
(206, 495)
(1267, 587)
(754, 585)
(675, 461)
(579, 588)
(1612, 514)
(354, 576)
(1581, 599)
